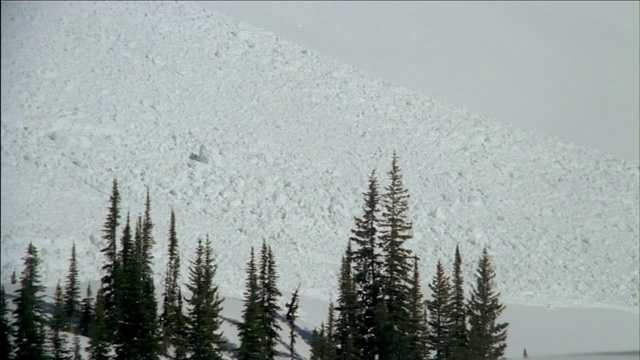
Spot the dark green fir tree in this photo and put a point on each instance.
(29, 322)
(269, 300)
(99, 346)
(110, 269)
(126, 341)
(348, 321)
(395, 230)
(204, 338)
(58, 347)
(148, 333)
(320, 349)
(291, 316)
(439, 310)
(459, 340)
(171, 318)
(418, 349)
(136, 335)
(86, 313)
(251, 331)
(487, 337)
(367, 266)
(76, 354)
(330, 334)
(6, 330)
(71, 295)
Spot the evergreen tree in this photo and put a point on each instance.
(330, 335)
(148, 328)
(251, 331)
(58, 345)
(6, 330)
(395, 231)
(203, 322)
(458, 341)
(98, 348)
(109, 280)
(269, 300)
(147, 240)
(180, 344)
(86, 313)
(487, 338)
(136, 335)
(418, 349)
(14, 280)
(366, 260)
(171, 313)
(291, 316)
(76, 355)
(125, 340)
(72, 292)
(29, 319)
(525, 354)
(320, 349)
(439, 314)
(348, 323)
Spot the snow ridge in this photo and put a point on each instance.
(96, 91)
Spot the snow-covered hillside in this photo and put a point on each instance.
(97, 91)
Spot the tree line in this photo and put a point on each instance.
(379, 314)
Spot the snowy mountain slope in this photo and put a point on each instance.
(96, 91)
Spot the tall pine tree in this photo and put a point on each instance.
(269, 300)
(458, 341)
(418, 326)
(291, 316)
(180, 352)
(487, 337)
(136, 336)
(6, 330)
(320, 347)
(251, 331)
(76, 354)
(204, 339)
(395, 231)
(148, 331)
(86, 313)
(125, 341)
(170, 319)
(58, 347)
(29, 316)
(367, 264)
(72, 292)
(439, 314)
(330, 334)
(98, 348)
(109, 279)
(348, 322)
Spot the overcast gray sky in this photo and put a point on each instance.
(569, 69)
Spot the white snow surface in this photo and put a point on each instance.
(97, 91)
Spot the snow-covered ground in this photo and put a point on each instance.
(96, 91)
(566, 68)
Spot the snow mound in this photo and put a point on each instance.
(96, 91)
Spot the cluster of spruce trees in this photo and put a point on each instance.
(380, 313)
(122, 322)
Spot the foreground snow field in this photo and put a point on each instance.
(96, 91)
